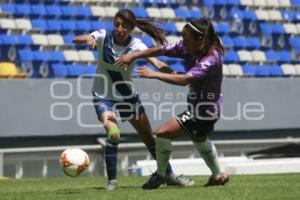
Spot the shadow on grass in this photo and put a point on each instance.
(85, 189)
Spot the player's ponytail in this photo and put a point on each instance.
(148, 27)
(145, 25)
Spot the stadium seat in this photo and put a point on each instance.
(225, 70)
(110, 11)
(8, 40)
(180, 26)
(253, 43)
(262, 71)
(297, 69)
(290, 28)
(7, 24)
(55, 40)
(53, 11)
(24, 40)
(248, 3)
(7, 69)
(182, 13)
(235, 70)
(273, 3)
(56, 71)
(295, 42)
(140, 12)
(170, 28)
(53, 25)
(98, 11)
(38, 10)
(275, 71)
(284, 56)
(40, 56)
(88, 69)
(84, 11)
(231, 57)
(245, 56)
(56, 56)
(71, 55)
(285, 4)
(167, 13)
(154, 12)
(288, 70)
(195, 13)
(258, 56)
(178, 67)
(39, 24)
(86, 56)
(271, 56)
(239, 42)
(74, 70)
(39, 39)
(25, 55)
(259, 3)
(227, 42)
(262, 15)
(249, 70)
(22, 10)
(274, 15)
(23, 24)
(8, 8)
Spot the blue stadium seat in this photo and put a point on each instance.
(74, 70)
(96, 25)
(195, 13)
(253, 43)
(84, 11)
(289, 15)
(220, 2)
(275, 71)
(249, 15)
(25, 55)
(277, 29)
(53, 25)
(140, 12)
(147, 40)
(68, 39)
(40, 56)
(8, 39)
(227, 42)
(53, 11)
(68, 11)
(8, 8)
(39, 24)
(22, 10)
(236, 13)
(170, 28)
(233, 2)
(295, 3)
(68, 25)
(89, 69)
(83, 26)
(240, 42)
(262, 71)
(209, 3)
(38, 10)
(231, 57)
(249, 70)
(271, 56)
(266, 28)
(56, 56)
(295, 43)
(57, 71)
(24, 40)
(222, 28)
(182, 13)
(284, 56)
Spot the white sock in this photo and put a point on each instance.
(163, 154)
(209, 154)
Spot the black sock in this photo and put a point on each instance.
(111, 156)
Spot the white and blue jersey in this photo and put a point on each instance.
(111, 82)
(113, 89)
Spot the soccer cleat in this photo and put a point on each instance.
(173, 180)
(221, 179)
(154, 182)
(112, 185)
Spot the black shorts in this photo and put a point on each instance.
(195, 127)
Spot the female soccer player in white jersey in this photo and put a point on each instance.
(113, 91)
(201, 50)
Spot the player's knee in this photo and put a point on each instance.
(113, 135)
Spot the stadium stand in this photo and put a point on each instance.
(259, 36)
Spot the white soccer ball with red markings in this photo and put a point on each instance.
(74, 161)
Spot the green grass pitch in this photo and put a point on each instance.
(277, 186)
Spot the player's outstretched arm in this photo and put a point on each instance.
(85, 39)
(128, 58)
(161, 66)
(176, 79)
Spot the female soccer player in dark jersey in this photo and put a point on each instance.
(201, 50)
(113, 91)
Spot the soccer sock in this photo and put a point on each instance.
(152, 149)
(111, 151)
(209, 154)
(163, 154)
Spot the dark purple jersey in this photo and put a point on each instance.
(205, 92)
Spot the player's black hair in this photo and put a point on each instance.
(145, 25)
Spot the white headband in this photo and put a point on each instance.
(193, 27)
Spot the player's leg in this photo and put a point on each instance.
(142, 126)
(108, 118)
(198, 130)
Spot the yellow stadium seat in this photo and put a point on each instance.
(9, 70)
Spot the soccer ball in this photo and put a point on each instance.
(74, 161)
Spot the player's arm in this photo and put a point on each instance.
(128, 58)
(176, 79)
(85, 39)
(161, 66)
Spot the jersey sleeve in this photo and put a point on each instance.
(173, 50)
(99, 34)
(139, 45)
(205, 66)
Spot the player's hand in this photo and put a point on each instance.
(91, 42)
(146, 72)
(123, 61)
